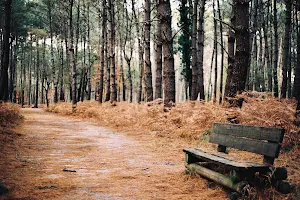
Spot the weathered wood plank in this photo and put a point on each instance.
(217, 177)
(254, 146)
(221, 158)
(254, 132)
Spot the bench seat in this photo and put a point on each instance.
(200, 155)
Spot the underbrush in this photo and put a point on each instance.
(9, 116)
(191, 120)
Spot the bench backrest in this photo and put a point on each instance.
(260, 140)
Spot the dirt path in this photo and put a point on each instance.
(108, 165)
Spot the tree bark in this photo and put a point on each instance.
(239, 72)
(194, 52)
(276, 93)
(165, 18)
(23, 75)
(62, 94)
(265, 25)
(201, 49)
(71, 56)
(286, 47)
(103, 37)
(113, 88)
(54, 78)
(296, 91)
(5, 52)
(158, 61)
(147, 67)
(30, 63)
(37, 74)
(141, 54)
(216, 53)
(89, 85)
(222, 51)
(254, 50)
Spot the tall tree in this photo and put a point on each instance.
(286, 47)
(275, 49)
(216, 52)
(89, 75)
(222, 50)
(265, 27)
(102, 58)
(147, 68)
(141, 53)
(230, 59)
(194, 52)
(296, 91)
(158, 61)
(201, 48)
(241, 26)
(112, 38)
(37, 72)
(185, 43)
(5, 52)
(128, 47)
(71, 55)
(165, 18)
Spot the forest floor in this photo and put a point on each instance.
(58, 157)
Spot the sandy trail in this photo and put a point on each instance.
(108, 165)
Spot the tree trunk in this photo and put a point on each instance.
(222, 51)
(23, 75)
(260, 78)
(103, 37)
(62, 94)
(275, 50)
(43, 71)
(30, 63)
(209, 87)
(239, 72)
(194, 52)
(141, 54)
(216, 53)
(37, 74)
(296, 91)
(185, 42)
(147, 68)
(113, 88)
(5, 52)
(265, 25)
(158, 61)
(89, 75)
(11, 74)
(201, 49)
(67, 63)
(286, 47)
(165, 18)
(54, 78)
(71, 56)
(84, 66)
(122, 76)
(254, 50)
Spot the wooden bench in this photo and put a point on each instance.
(236, 173)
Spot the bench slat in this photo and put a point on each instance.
(221, 158)
(254, 146)
(254, 132)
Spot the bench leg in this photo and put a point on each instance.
(217, 177)
(191, 159)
